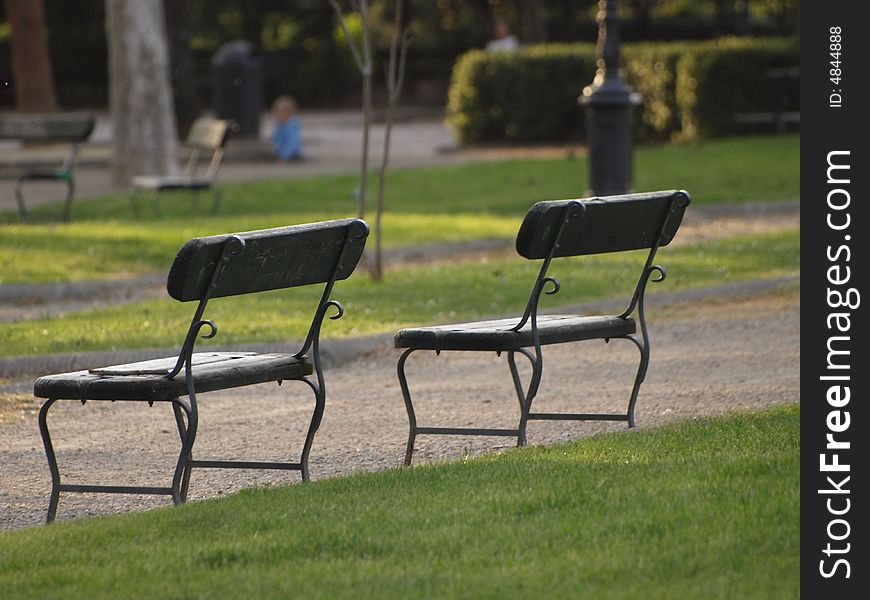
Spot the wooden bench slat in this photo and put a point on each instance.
(498, 335)
(211, 371)
(609, 224)
(60, 127)
(208, 134)
(273, 259)
(174, 182)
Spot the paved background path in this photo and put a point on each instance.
(331, 143)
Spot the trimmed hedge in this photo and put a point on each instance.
(690, 90)
(526, 95)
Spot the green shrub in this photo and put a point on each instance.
(721, 79)
(689, 89)
(651, 70)
(524, 96)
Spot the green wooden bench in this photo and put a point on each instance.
(71, 128)
(552, 230)
(206, 269)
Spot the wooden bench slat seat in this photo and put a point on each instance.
(499, 335)
(170, 182)
(146, 380)
(551, 230)
(206, 269)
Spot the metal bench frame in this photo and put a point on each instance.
(573, 211)
(72, 128)
(232, 249)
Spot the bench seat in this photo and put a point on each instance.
(171, 182)
(147, 381)
(499, 335)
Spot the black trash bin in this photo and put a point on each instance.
(238, 87)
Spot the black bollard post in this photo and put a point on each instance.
(609, 103)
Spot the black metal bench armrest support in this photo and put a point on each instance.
(676, 208)
(232, 247)
(573, 210)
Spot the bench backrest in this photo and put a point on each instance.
(69, 127)
(207, 133)
(271, 259)
(600, 225)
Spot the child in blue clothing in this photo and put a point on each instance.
(286, 138)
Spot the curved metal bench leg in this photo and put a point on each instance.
(409, 406)
(534, 384)
(316, 418)
(19, 197)
(52, 460)
(67, 205)
(182, 433)
(641, 375)
(525, 398)
(181, 477)
(515, 375)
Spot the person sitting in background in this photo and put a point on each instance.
(503, 40)
(287, 137)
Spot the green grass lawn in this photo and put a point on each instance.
(708, 508)
(407, 296)
(433, 204)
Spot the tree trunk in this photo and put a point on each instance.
(31, 63)
(143, 118)
(362, 56)
(395, 80)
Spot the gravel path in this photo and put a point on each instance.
(708, 359)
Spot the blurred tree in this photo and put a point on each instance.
(304, 52)
(532, 20)
(31, 63)
(140, 98)
(178, 29)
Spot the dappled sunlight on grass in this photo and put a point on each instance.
(409, 295)
(424, 205)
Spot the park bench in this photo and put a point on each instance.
(206, 138)
(206, 269)
(552, 230)
(71, 128)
